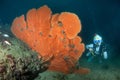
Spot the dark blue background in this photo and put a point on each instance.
(97, 16)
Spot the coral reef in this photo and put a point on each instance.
(18, 62)
(53, 37)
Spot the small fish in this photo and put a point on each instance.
(7, 42)
(5, 35)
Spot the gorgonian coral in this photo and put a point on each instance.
(51, 35)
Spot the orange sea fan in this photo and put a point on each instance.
(54, 35)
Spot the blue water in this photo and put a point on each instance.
(97, 16)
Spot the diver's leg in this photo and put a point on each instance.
(90, 58)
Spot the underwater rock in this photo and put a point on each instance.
(17, 62)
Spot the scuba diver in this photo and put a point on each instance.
(97, 49)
